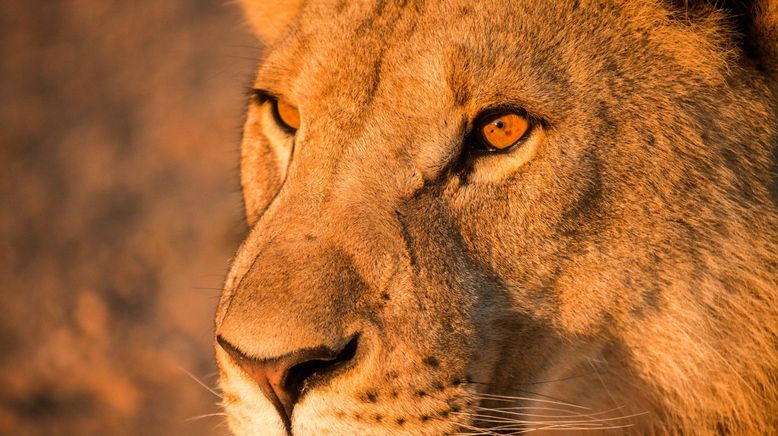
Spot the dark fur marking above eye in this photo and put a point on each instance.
(375, 78)
(400, 421)
(458, 78)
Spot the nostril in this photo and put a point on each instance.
(302, 376)
(283, 379)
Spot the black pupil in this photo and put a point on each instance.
(499, 124)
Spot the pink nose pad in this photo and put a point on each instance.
(282, 379)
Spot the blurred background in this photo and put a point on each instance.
(119, 210)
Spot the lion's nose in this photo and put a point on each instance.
(282, 379)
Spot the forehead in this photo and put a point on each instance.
(451, 52)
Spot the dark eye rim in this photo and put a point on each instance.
(478, 145)
(260, 97)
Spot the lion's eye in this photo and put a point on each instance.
(501, 131)
(286, 115)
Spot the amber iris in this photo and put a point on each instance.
(503, 131)
(287, 115)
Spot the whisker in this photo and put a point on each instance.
(492, 419)
(200, 383)
(207, 415)
(512, 410)
(501, 424)
(509, 411)
(512, 421)
(572, 421)
(617, 418)
(602, 381)
(613, 418)
(530, 393)
(510, 399)
(480, 431)
(521, 428)
(541, 382)
(556, 428)
(544, 396)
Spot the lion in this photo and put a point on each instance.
(499, 217)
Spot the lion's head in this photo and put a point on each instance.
(500, 216)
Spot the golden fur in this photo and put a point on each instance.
(617, 272)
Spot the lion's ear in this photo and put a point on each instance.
(269, 18)
(764, 32)
(755, 20)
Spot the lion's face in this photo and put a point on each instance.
(403, 277)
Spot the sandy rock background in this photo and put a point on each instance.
(119, 210)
